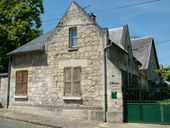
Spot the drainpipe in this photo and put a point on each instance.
(105, 81)
(9, 76)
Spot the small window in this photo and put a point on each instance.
(72, 81)
(73, 37)
(21, 83)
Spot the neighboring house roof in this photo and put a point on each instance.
(118, 37)
(115, 35)
(141, 48)
(38, 44)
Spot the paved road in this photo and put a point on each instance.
(6, 123)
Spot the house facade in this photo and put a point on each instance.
(62, 69)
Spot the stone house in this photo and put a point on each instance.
(78, 69)
(144, 49)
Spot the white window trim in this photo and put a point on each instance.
(72, 49)
(20, 97)
(72, 98)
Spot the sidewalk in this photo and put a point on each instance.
(47, 118)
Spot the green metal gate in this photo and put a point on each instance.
(148, 105)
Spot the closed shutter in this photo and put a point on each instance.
(24, 82)
(21, 82)
(18, 82)
(72, 81)
(67, 81)
(76, 81)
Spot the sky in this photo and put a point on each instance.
(152, 18)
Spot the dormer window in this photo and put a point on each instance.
(73, 37)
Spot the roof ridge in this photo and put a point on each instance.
(145, 37)
(115, 28)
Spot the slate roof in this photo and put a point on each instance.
(141, 48)
(115, 35)
(37, 44)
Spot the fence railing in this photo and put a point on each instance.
(148, 95)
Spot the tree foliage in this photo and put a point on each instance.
(165, 73)
(19, 23)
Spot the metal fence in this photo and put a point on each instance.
(148, 105)
(148, 95)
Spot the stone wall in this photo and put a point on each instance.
(115, 94)
(115, 66)
(89, 57)
(36, 64)
(3, 89)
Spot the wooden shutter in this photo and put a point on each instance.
(67, 81)
(76, 81)
(18, 82)
(21, 82)
(24, 82)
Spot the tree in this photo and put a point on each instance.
(165, 73)
(19, 23)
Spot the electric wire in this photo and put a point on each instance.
(118, 7)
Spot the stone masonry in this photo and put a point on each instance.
(3, 89)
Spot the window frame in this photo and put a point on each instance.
(73, 38)
(72, 81)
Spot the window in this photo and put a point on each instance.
(21, 83)
(72, 81)
(73, 37)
